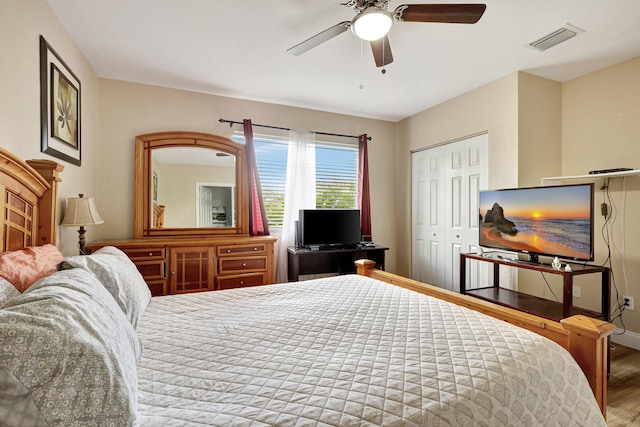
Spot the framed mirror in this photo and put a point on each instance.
(189, 183)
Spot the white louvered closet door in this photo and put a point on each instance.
(445, 184)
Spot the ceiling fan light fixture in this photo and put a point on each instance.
(372, 24)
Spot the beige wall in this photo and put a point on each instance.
(594, 125)
(177, 189)
(22, 23)
(539, 154)
(601, 129)
(128, 109)
(492, 108)
(538, 127)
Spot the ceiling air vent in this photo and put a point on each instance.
(555, 38)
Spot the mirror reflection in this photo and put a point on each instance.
(193, 187)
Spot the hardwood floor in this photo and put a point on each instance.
(623, 408)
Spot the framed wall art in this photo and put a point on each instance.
(155, 187)
(60, 117)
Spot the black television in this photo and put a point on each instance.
(555, 221)
(329, 228)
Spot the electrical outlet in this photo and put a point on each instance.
(628, 302)
(577, 291)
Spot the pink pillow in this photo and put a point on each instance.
(23, 267)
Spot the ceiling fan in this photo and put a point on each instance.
(373, 21)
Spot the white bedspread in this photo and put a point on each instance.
(348, 351)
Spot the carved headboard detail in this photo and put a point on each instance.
(28, 201)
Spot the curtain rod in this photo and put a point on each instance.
(232, 122)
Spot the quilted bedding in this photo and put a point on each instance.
(348, 351)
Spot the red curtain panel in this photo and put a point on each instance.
(364, 196)
(257, 217)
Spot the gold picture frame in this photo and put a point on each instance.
(60, 96)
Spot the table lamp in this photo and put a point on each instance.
(81, 211)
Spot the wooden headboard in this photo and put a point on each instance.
(29, 193)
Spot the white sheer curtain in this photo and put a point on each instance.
(300, 191)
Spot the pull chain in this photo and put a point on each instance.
(383, 46)
(361, 65)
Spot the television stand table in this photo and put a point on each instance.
(308, 261)
(531, 304)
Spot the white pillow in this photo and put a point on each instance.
(68, 356)
(121, 278)
(7, 291)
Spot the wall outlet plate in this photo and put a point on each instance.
(630, 303)
(577, 291)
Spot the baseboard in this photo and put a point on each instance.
(628, 339)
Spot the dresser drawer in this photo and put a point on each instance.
(151, 263)
(240, 281)
(157, 287)
(145, 254)
(225, 250)
(196, 263)
(151, 270)
(234, 265)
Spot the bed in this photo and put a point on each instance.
(85, 344)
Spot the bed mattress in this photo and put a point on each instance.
(345, 351)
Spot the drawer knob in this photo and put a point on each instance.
(242, 282)
(228, 251)
(255, 248)
(150, 253)
(244, 264)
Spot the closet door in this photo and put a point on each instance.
(428, 228)
(445, 184)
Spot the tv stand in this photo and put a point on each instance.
(531, 304)
(334, 260)
(329, 247)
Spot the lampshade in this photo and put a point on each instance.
(372, 24)
(81, 211)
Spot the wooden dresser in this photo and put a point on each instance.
(180, 242)
(192, 264)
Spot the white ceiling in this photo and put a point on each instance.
(189, 156)
(237, 48)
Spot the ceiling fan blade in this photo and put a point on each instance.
(448, 13)
(381, 51)
(319, 38)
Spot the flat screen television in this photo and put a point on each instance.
(552, 221)
(329, 228)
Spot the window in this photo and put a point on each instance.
(336, 174)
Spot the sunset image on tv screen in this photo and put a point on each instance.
(555, 221)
